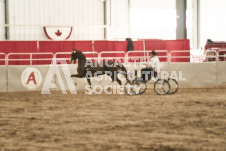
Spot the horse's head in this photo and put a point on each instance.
(74, 55)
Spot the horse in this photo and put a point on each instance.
(87, 68)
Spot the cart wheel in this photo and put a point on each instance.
(173, 86)
(139, 87)
(135, 87)
(161, 86)
(129, 88)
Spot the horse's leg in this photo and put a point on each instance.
(88, 79)
(116, 78)
(119, 81)
(77, 75)
(112, 77)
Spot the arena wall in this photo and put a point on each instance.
(221, 73)
(14, 78)
(197, 75)
(3, 80)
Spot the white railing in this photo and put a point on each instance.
(144, 55)
(159, 51)
(220, 55)
(130, 57)
(198, 58)
(3, 55)
(112, 52)
(178, 57)
(211, 55)
(29, 57)
(59, 54)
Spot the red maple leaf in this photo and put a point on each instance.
(58, 33)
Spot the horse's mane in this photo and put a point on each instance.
(81, 55)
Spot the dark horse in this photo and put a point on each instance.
(87, 69)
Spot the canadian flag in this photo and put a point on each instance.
(57, 32)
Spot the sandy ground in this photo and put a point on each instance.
(191, 119)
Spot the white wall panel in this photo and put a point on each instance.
(86, 17)
(77, 13)
(212, 20)
(152, 4)
(154, 19)
(2, 19)
(119, 20)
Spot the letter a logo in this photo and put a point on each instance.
(31, 78)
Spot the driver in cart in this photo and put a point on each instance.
(152, 68)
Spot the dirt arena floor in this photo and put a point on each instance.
(191, 119)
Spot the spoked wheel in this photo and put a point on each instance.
(173, 86)
(129, 88)
(135, 87)
(161, 86)
(139, 87)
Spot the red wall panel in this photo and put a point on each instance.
(64, 46)
(138, 45)
(99, 46)
(155, 45)
(110, 46)
(181, 44)
(18, 46)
